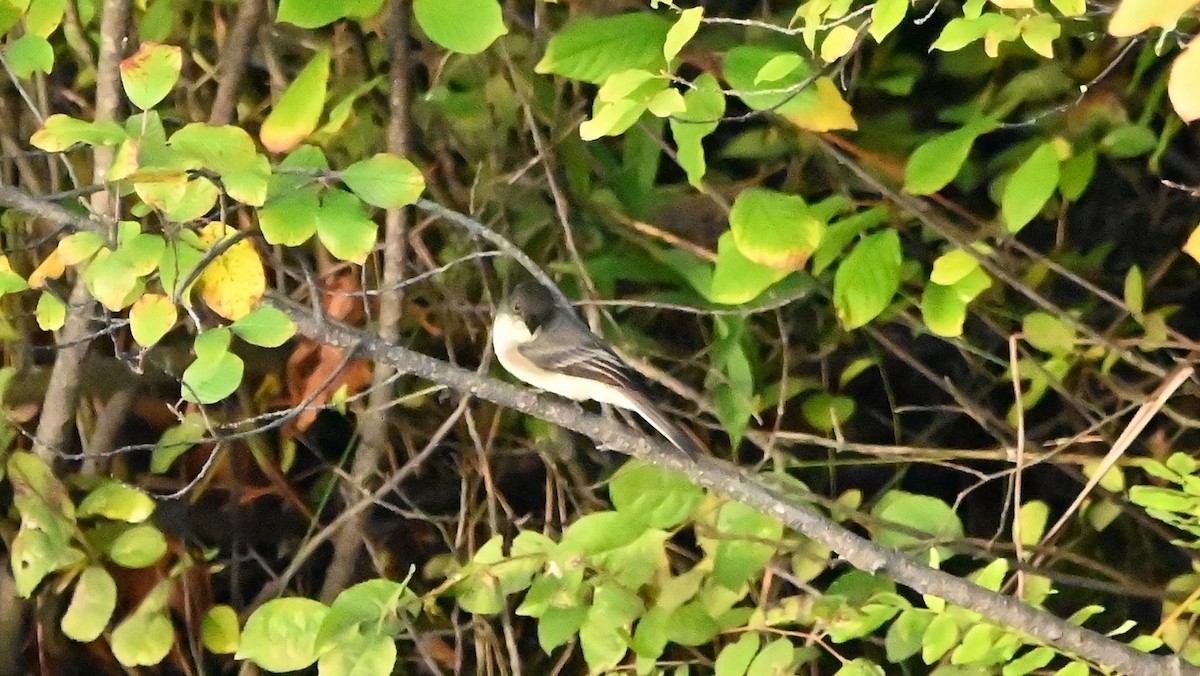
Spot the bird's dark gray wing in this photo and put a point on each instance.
(571, 349)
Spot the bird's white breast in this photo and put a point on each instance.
(508, 333)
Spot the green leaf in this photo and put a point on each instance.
(281, 634)
(745, 545)
(952, 266)
(778, 657)
(704, 104)
(110, 280)
(867, 279)
(735, 658)
(839, 234)
(940, 636)
(1135, 291)
(77, 248)
(592, 49)
(920, 513)
(51, 312)
(36, 554)
(1048, 333)
(885, 16)
(905, 635)
(291, 218)
(663, 499)
(603, 644)
(943, 310)
(298, 110)
(1075, 174)
(179, 259)
(266, 327)
(92, 605)
(731, 380)
(309, 14)
(176, 441)
(778, 66)
(138, 547)
(376, 604)
(936, 162)
(117, 501)
(744, 65)
(463, 26)
(828, 412)
(214, 382)
(145, 637)
(774, 229)
(737, 279)
(151, 317)
(600, 532)
(1128, 141)
(60, 132)
(385, 180)
(225, 149)
(29, 54)
(558, 625)
(1030, 661)
(361, 654)
(219, 630)
(216, 372)
(150, 73)
(1030, 187)
(345, 228)
(682, 32)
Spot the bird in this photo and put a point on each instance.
(547, 346)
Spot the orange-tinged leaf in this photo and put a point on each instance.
(234, 281)
(1138, 16)
(831, 112)
(51, 267)
(1192, 246)
(1183, 85)
(150, 74)
(298, 110)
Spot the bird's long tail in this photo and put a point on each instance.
(679, 437)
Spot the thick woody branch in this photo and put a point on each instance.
(733, 482)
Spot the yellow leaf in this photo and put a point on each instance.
(234, 281)
(1192, 246)
(1183, 85)
(51, 268)
(1013, 4)
(1138, 16)
(838, 43)
(830, 112)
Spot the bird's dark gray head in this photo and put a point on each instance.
(533, 303)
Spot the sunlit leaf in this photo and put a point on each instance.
(29, 54)
(774, 229)
(51, 312)
(265, 327)
(592, 49)
(60, 132)
(233, 282)
(682, 32)
(867, 279)
(1138, 16)
(92, 605)
(219, 630)
(309, 14)
(1183, 85)
(384, 180)
(281, 634)
(117, 501)
(295, 115)
(463, 26)
(150, 73)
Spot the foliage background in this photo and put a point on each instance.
(930, 266)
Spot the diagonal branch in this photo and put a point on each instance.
(732, 482)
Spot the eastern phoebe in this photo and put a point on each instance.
(547, 346)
